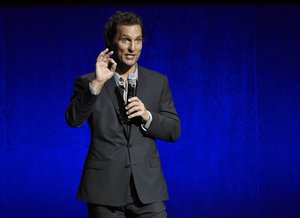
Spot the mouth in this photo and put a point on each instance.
(130, 56)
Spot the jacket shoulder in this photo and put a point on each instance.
(88, 76)
(148, 72)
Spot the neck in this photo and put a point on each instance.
(125, 70)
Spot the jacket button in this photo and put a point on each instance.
(127, 166)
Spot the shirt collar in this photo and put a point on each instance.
(119, 80)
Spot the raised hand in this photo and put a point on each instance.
(105, 66)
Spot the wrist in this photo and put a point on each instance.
(97, 81)
(147, 116)
(95, 87)
(97, 84)
(147, 121)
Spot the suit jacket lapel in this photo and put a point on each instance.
(117, 101)
(112, 89)
(141, 81)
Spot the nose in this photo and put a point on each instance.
(131, 46)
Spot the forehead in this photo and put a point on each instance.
(132, 30)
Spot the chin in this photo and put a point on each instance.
(130, 63)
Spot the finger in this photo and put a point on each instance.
(134, 109)
(139, 111)
(109, 54)
(134, 98)
(134, 113)
(102, 54)
(101, 62)
(104, 51)
(113, 64)
(131, 104)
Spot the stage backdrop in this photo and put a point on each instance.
(234, 73)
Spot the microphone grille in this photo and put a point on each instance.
(131, 81)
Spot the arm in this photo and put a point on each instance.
(84, 98)
(165, 124)
(82, 103)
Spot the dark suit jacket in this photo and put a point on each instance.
(115, 152)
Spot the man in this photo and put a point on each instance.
(122, 175)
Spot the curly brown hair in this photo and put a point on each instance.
(127, 18)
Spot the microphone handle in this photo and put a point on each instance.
(131, 91)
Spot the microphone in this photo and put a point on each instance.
(131, 88)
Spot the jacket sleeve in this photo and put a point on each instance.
(82, 103)
(165, 124)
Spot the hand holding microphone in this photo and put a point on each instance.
(134, 106)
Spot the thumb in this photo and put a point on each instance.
(113, 65)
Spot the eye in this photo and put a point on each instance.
(138, 39)
(125, 40)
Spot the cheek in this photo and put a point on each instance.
(121, 51)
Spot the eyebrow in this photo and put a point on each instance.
(130, 36)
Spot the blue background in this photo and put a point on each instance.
(234, 74)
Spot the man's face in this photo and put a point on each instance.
(128, 44)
